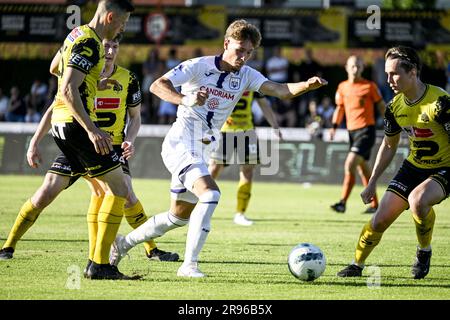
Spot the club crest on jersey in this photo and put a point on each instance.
(76, 32)
(235, 83)
(213, 103)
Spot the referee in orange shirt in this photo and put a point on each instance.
(355, 98)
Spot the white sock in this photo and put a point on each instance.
(154, 227)
(200, 224)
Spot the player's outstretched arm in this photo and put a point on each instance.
(71, 81)
(291, 90)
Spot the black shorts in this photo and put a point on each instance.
(61, 166)
(409, 177)
(74, 143)
(362, 141)
(240, 147)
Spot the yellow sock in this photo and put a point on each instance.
(28, 214)
(109, 217)
(368, 240)
(135, 216)
(243, 196)
(424, 228)
(92, 217)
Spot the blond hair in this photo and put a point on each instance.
(241, 30)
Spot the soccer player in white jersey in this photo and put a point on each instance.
(210, 88)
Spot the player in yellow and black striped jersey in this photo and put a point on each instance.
(88, 148)
(428, 139)
(82, 50)
(118, 104)
(422, 111)
(239, 140)
(109, 104)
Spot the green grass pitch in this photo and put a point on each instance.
(241, 262)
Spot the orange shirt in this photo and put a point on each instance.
(357, 101)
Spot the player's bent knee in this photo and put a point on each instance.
(379, 225)
(43, 198)
(210, 196)
(418, 207)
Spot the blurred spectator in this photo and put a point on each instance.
(198, 52)
(314, 122)
(152, 68)
(167, 112)
(286, 115)
(308, 68)
(172, 60)
(447, 87)
(51, 92)
(277, 70)
(325, 110)
(277, 67)
(380, 78)
(257, 60)
(3, 105)
(38, 95)
(32, 115)
(16, 107)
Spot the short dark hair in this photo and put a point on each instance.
(408, 57)
(124, 5)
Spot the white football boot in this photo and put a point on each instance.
(242, 220)
(117, 251)
(190, 270)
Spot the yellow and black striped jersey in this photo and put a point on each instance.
(111, 105)
(241, 119)
(84, 51)
(428, 140)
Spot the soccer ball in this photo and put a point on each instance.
(306, 262)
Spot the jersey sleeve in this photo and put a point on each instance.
(134, 96)
(84, 55)
(391, 126)
(183, 73)
(256, 79)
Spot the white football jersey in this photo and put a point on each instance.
(224, 89)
